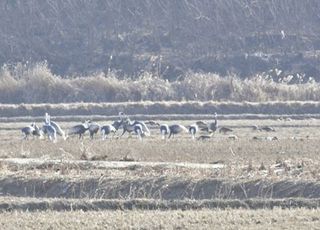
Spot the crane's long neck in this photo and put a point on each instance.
(47, 119)
(129, 121)
(215, 120)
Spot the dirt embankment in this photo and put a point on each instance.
(142, 180)
(18, 204)
(156, 109)
(32, 185)
(157, 188)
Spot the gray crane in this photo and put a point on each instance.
(110, 128)
(267, 129)
(50, 131)
(32, 129)
(164, 130)
(193, 129)
(176, 129)
(130, 126)
(204, 137)
(79, 129)
(139, 131)
(225, 130)
(213, 126)
(93, 129)
(202, 126)
(106, 130)
(172, 130)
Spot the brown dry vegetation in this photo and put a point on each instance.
(37, 84)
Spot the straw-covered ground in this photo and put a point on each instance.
(155, 179)
(200, 219)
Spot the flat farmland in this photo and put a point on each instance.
(201, 219)
(222, 176)
(297, 140)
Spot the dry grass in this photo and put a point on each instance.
(36, 84)
(262, 170)
(256, 164)
(204, 219)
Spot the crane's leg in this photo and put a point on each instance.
(124, 130)
(103, 134)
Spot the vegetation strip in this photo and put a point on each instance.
(83, 164)
(155, 187)
(147, 204)
(161, 108)
(165, 117)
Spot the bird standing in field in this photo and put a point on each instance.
(164, 130)
(107, 130)
(213, 126)
(193, 129)
(267, 129)
(133, 126)
(202, 126)
(59, 130)
(32, 129)
(93, 129)
(49, 129)
(225, 130)
(204, 137)
(110, 128)
(79, 129)
(138, 130)
(176, 129)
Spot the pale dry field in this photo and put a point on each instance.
(218, 169)
(201, 219)
(297, 141)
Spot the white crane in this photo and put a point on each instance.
(48, 129)
(59, 130)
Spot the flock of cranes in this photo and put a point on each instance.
(51, 129)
